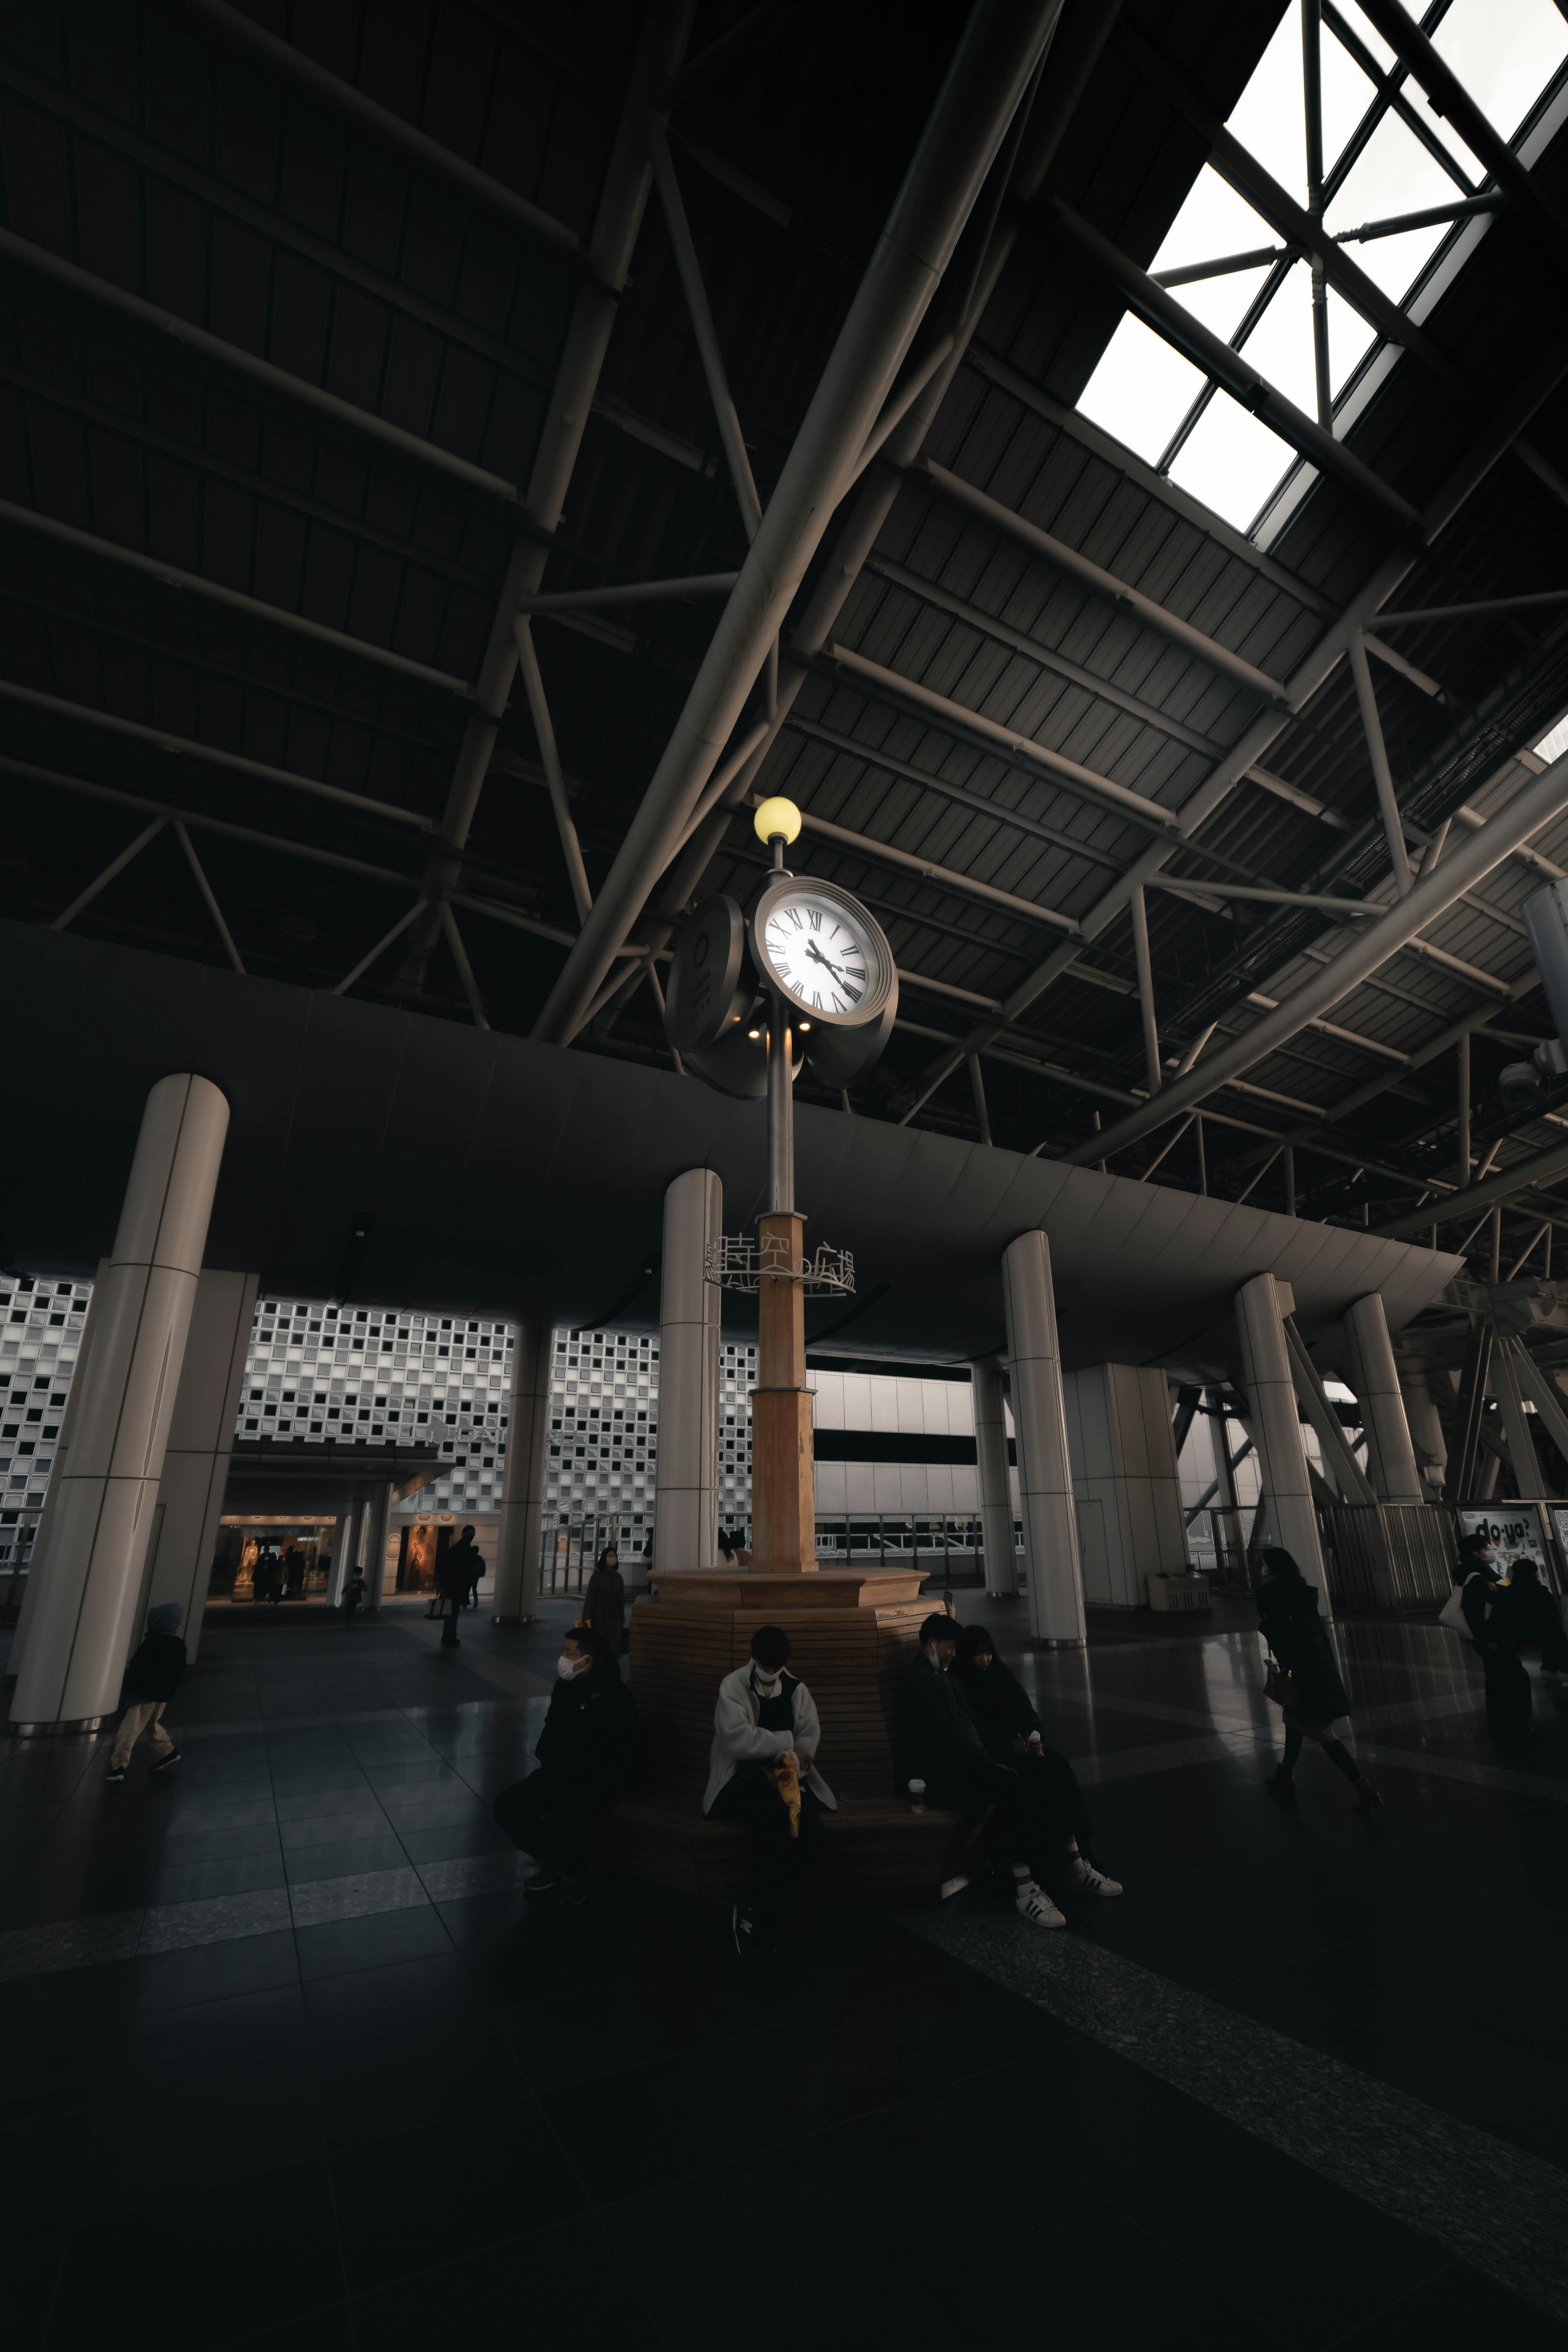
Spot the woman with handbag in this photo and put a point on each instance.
(1303, 1676)
(1483, 1600)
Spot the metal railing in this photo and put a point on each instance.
(1384, 1556)
(950, 1548)
(17, 1530)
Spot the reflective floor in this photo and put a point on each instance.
(286, 2039)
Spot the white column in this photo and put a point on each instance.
(201, 1439)
(1425, 1424)
(1391, 1457)
(996, 1492)
(1039, 1423)
(686, 1523)
(33, 1585)
(1126, 1486)
(378, 1527)
(1276, 1428)
(87, 1614)
(516, 1597)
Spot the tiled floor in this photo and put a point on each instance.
(286, 2042)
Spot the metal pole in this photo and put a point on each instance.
(977, 1086)
(1290, 1180)
(1146, 992)
(68, 914)
(781, 1109)
(1383, 775)
(996, 58)
(690, 274)
(1463, 1165)
(549, 760)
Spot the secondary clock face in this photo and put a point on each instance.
(822, 951)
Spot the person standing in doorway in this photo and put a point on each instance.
(152, 1678)
(604, 1601)
(1288, 1613)
(1484, 1601)
(457, 1572)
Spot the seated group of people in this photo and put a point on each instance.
(967, 1736)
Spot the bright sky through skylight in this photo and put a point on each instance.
(1504, 52)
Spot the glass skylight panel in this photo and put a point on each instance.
(1504, 52)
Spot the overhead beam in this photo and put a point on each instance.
(101, 881)
(389, 130)
(555, 782)
(1507, 1184)
(1306, 899)
(991, 68)
(1383, 775)
(965, 886)
(110, 552)
(276, 384)
(1541, 800)
(643, 592)
(720, 54)
(1091, 576)
(209, 896)
(689, 270)
(1467, 612)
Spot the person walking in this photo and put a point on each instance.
(1530, 1616)
(604, 1601)
(152, 1678)
(1484, 1604)
(1315, 1697)
(353, 1593)
(456, 1578)
(1012, 1735)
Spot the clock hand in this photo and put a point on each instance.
(813, 949)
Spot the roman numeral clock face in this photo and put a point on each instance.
(822, 952)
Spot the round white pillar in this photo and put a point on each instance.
(995, 1488)
(686, 1522)
(1039, 1424)
(1391, 1461)
(201, 1440)
(91, 1581)
(1277, 1431)
(516, 1600)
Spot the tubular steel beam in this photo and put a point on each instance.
(465, 969)
(390, 131)
(555, 783)
(1177, 326)
(209, 896)
(1309, 899)
(116, 866)
(373, 955)
(698, 310)
(645, 591)
(1463, 611)
(1383, 775)
(1146, 994)
(722, 53)
(996, 58)
(1507, 1184)
(229, 600)
(1100, 582)
(1541, 799)
(363, 423)
(882, 853)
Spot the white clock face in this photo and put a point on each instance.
(820, 953)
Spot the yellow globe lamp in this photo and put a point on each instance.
(776, 817)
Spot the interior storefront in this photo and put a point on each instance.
(262, 1561)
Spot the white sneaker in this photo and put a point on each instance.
(1036, 1905)
(1087, 1880)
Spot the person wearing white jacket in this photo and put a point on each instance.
(763, 1716)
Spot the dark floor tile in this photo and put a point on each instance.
(522, 2184)
(562, 2285)
(216, 1971)
(476, 1835)
(338, 1946)
(316, 2331)
(1460, 2306)
(183, 1844)
(358, 1859)
(299, 2276)
(32, 2268)
(194, 1881)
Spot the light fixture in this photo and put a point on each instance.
(776, 817)
(753, 1033)
(803, 1024)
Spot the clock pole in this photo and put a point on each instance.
(784, 1483)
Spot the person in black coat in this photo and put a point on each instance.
(1530, 1613)
(1012, 1735)
(604, 1601)
(587, 1755)
(1288, 1613)
(459, 1572)
(152, 1678)
(1484, 1603)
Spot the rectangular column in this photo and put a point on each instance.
(996, 1486)
(201, 1440)
(516, 1599)
(686, 1521)
(1124, 1459)
(1260, 1307)
(1039, 1423)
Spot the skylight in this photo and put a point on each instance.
(1376, 166)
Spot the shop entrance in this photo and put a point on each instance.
(261, 1562)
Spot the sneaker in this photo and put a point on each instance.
(743, 1930)
(164, 1763)
(1036, 1905)
(543, 1881)
(113, 1777)
(1087, 1880)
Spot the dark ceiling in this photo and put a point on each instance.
(254, 337)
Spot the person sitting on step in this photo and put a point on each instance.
(587, 1755)
(939, 1742)
(1014, 1735)
(762, 1774)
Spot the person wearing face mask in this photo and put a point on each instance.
(939, 1742)
(767, 1734)
(1482, 1600)
(586, 1754)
